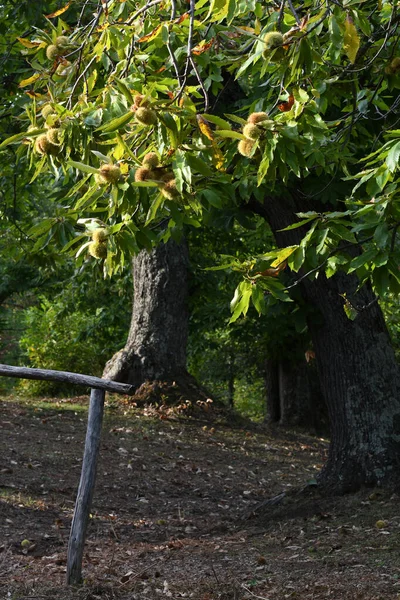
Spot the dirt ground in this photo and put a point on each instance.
(178, 512)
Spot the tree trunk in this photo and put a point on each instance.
(154, 357)
(359, 375)
(231, 378)
(271, 386)
(293, 395)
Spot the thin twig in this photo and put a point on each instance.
(141, 10)
(69, 104)
(294, 13)
(82, 12)
(189, 50)
(281, 13)
(201, 83)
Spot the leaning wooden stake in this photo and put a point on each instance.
(86, 488)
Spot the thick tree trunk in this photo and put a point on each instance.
(154, 357)
(359, 375)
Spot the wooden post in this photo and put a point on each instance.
(86, 488)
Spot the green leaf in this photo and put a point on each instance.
(364, 258)
(20, 136)
(82, 167)
(351, 40)
(217, 121)
(74, 241)
(229, 134)
(392, 159)
(39, 167)
(277, 289)
(380, 278)
(241, 300)
(236, 119)
(300, 223)
(143, 184)
(116, 123)
(212, 197)
(258, 300)
(124, 90)
(263, 169)
(283, 255)
(381, 235)
(197, 164)
(41, 227)
(296, 260)
(350, 311)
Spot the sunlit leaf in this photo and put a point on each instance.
(205, 127)
(59, 12)
(351, 40)
(29, 44)
(30, 80)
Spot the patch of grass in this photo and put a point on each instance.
(46, 404)
(20, 499)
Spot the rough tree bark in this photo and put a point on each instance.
(359, 374)
(154, 357)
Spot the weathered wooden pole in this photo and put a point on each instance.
(92, 444)
(86, 488)
(66, 377)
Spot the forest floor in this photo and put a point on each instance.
(177, 511)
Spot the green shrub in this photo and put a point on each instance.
(70, 333)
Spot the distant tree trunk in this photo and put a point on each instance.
(294, 392)
(231, 378)
(301, 400)
(359, 375)
(271, 386)
(154, 356)
(293, 395)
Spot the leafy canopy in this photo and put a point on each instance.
(107, 85)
